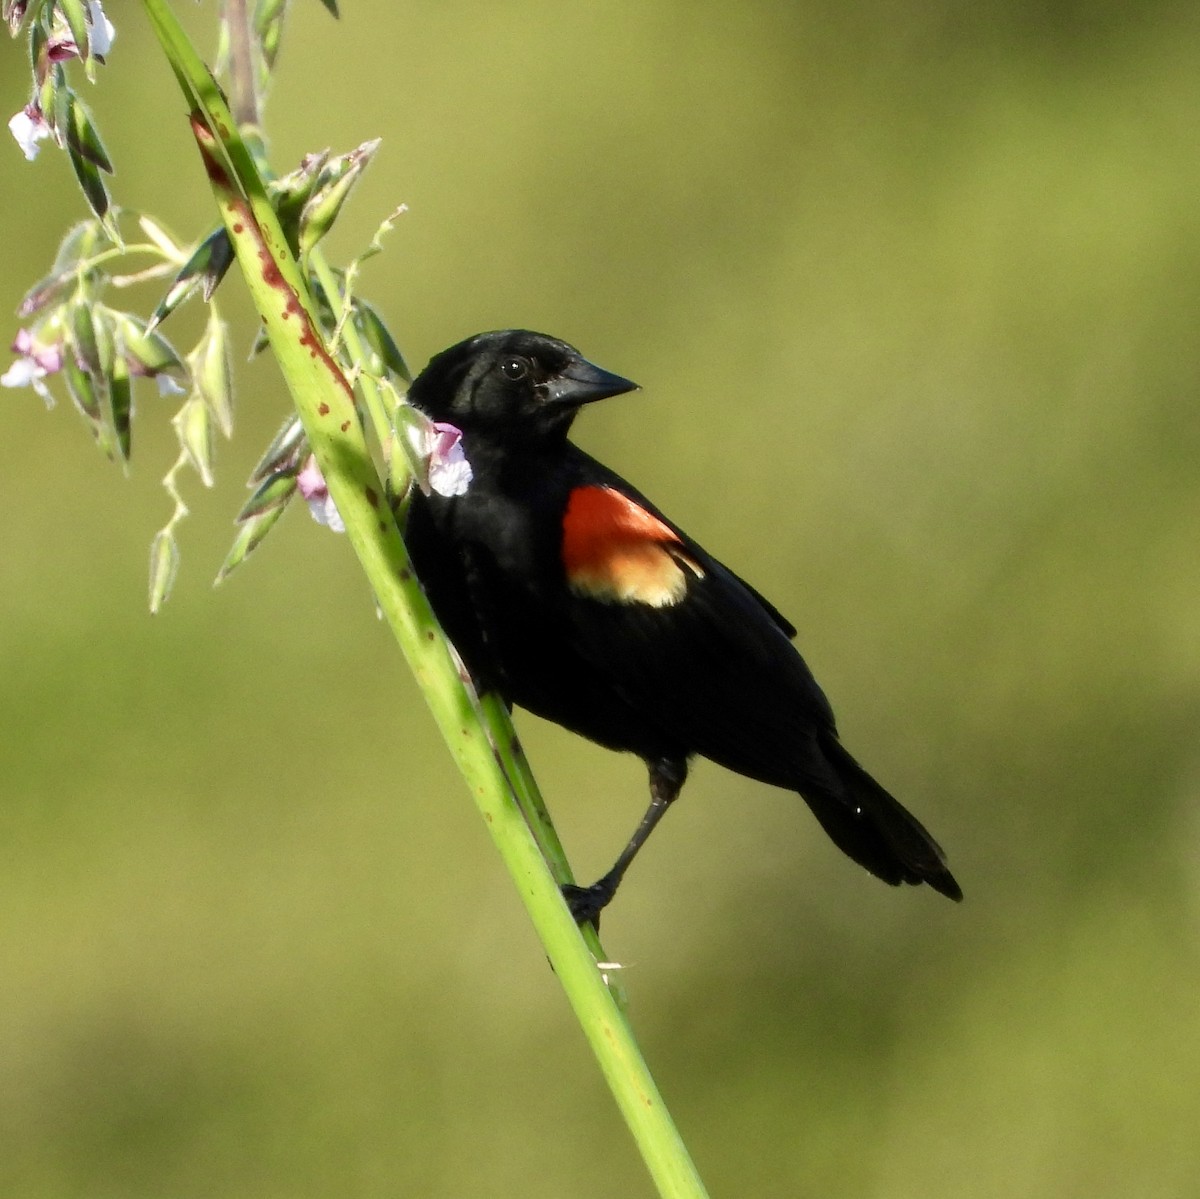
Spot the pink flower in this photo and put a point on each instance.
(438, 446)
(449, 471)
(102, 34)
(29, 127)
(36, 361)
(313, 488)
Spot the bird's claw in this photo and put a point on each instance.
(586, 903)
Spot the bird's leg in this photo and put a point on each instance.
(667, 776)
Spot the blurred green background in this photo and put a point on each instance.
(913, 292)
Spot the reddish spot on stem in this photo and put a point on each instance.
(323, 408)
(372, 498)
(204, 139)
(244, 224)
(345, 425)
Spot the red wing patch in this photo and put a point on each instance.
(614, 550)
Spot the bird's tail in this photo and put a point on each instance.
(871, 827)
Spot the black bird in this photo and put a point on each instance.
(567, 592)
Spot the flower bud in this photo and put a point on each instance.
(164, 565)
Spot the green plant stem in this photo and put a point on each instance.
(325, 404)
(496, 719)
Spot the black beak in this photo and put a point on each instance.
(582, 382)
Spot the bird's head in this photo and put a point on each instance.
(511, 384)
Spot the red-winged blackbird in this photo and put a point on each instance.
(570, 594)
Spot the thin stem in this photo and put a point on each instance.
(86, 264)
(244, 95)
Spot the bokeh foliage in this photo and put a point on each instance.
(912, 293)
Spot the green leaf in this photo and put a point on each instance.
(106, 340)
(262, 341)
(38, 36)
(120, 395)
(249, 537)
(273, 492)
(83, 137)
(193, 427)
(212, 374)
(93, 187)
(80, 243)
(148, 352)
(377, 336)
(86, 341)
(89, 368)
(291, 192)
(268, 28)
(330, 6)
(89, 402)
(42, 293)
(53, 97)
(286, 450)
(337, 181)
(204, 269)
(164, 565)
(82, 388)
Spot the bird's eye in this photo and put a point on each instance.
(515, 368)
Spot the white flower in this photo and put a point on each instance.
(103, 33)
(36, 361)
(449, 471)
(24, 373)
(313, 488)
(29, 127)
(168, 386)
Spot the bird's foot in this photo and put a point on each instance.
(586, 903)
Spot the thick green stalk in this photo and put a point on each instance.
(325, 403)
(493, 713)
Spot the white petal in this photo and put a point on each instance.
(22, 373)
(168, 386)
(28, 131)
(42, 390)
(25, 372)
(324, 512)
(103, 33)
(450, 474)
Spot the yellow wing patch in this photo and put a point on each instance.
(616, 551)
